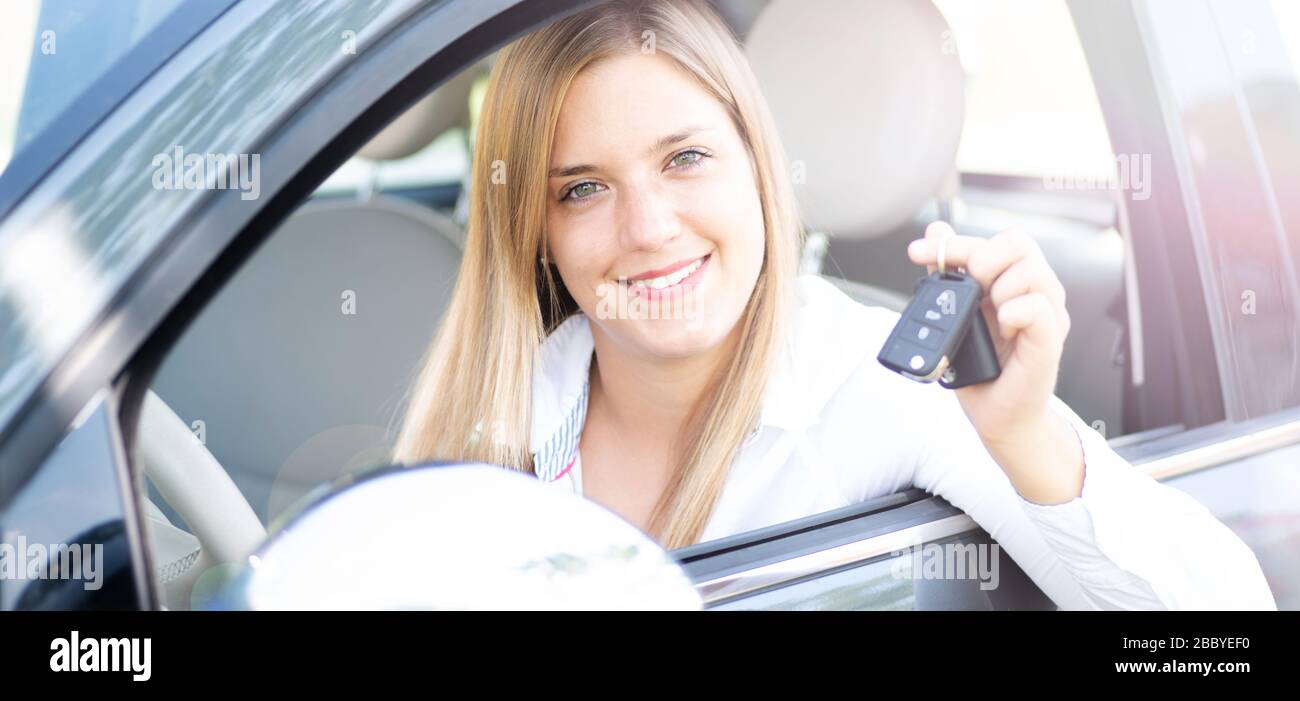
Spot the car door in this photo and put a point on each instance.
(299, 85)
(1209, 391)
(69, 538)
(1233, 116)
(69, 531)
(857, 557)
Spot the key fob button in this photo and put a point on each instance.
(923, 335)
(932, 329)
(903, 355)
(934, 316)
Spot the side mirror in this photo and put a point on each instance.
(457, 536)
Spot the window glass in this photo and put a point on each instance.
(64, 542)
(1026, 117)
(1214, 95)
(967, 572)
(64, 256)
(445, 161)
(293, 375)
(1259, 499)
(1288, 24)
(54, 50)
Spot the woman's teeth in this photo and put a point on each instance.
(659, 283)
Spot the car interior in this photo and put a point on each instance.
(294, 375)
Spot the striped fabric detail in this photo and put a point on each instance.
(550, 461)
(568, 467)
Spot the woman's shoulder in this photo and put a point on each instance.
(828, 314)
(851, 404)
(833, 343)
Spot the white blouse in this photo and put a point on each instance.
(837, 428)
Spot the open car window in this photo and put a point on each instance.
(337, 304)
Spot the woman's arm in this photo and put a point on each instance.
(1147, 528)
(1126, 540)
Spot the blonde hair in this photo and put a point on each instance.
(472, 400)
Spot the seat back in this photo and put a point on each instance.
(298, 366)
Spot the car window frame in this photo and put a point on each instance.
(389, 73)
(84, 112)
(101, 413)
(233, 231)
(1170, 440)
(116, 326)
(385, 79)
(717, 566)
(200, 247)
(1130, 93)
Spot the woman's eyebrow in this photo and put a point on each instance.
(674, 138)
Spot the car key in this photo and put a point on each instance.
(977, 358)
(924, 344)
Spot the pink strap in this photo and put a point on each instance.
(565, 471)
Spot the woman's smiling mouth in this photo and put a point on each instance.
(684, 274)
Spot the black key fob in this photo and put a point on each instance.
(928, 343)
(977, 358)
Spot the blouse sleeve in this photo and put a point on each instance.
(1127, 522)
(1128, 542)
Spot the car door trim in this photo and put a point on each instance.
(1254, 442)
(728, 587)
(1250, 440)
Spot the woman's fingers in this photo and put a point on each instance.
(983, 258)
(1025, 293)
(926, 251)
(988, 260)
(987, 263)
(1012, 267)
(1030, 274)
(1034, 318)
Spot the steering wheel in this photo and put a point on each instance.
(191, 480)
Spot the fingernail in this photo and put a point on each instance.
(918, 247)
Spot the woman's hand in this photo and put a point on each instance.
(1024, 305)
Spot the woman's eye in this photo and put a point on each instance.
(687, 158)
(581, 191)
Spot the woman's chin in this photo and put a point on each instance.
(676, 338)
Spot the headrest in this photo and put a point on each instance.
(868, 97)
(444, 108)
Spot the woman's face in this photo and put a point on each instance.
(653, 215)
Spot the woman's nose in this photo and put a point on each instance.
(649, 220)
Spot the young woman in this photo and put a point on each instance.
(605, 172)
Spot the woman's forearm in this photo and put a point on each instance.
(1045, 462)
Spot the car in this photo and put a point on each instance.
(192, 350)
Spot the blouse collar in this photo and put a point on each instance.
(810, 362)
